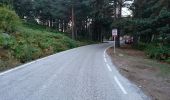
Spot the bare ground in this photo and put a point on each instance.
(151, 76)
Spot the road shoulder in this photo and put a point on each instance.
(149, 75)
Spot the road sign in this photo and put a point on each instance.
(114, 32)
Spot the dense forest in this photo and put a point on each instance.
(150, 27)
(94, 20)
(87, 19)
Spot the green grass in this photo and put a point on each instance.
(35, 26)
(36, 43)
(28, 44)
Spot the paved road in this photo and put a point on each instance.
(84, 73)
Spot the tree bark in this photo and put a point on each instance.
(73, 23)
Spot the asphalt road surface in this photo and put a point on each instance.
(84, 73)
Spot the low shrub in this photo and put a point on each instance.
(69, 42)
(6, 41)
(140, 46)
(9, 20)
(158, 52)
(32, 44)
(168, 60)
(24, 52)
(154, 50)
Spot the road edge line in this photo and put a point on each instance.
(16, 68)
(120, 85)
(29, 63)
(115, 78)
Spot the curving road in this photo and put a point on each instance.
(84, 73)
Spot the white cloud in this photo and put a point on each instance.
(126, 12)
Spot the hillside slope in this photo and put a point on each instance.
(20, 43)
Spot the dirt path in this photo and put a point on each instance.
(151, 76)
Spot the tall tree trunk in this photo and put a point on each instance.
(119, 6)
(59, 25)
(49, 23)
(73, 23)
(63, 26)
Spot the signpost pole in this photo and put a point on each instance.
(114, 44)
(114, 34)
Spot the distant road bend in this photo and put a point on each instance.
(84, 73)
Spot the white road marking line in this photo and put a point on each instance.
(115, 78)
(109, 67)
(105, 60)
(22, 66)
(120, 85)
(104, 55)
(27, 64)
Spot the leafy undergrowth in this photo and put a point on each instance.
(28, 44)
(155, 51)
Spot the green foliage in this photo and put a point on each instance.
(23, 42)
(29, 41)
(8, 20)
(168, 60)
(140, 46)
(31, 44)
(158, 51)
(24, 52)
(150, 24)
(5, 40)
(36, 26)
(154, 50)
(70, 43)
(57, 14)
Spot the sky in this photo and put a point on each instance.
(126, 11)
